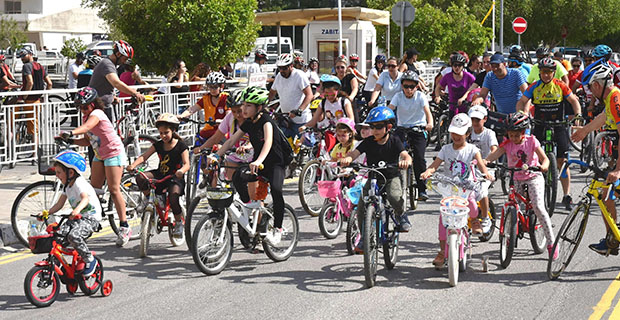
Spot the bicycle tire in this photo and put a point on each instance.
(146, 230)
(576, 223)
(412, 188)
(308, 190)
(290, 225)
(443, 137)
(551, 184)
(371, 246)
(390, 245)
(464, 259)
(485, 237)
(504, 176)
(193, 180)
(91, 284)
(330, 220)
(174, 240)
(133, 198)
(453, 259)
(508, 239)
(537, 234)
(33, 199)
(63, 106)
(587, 150)
(132, 153)
(210, 257)
(29, 285)
(353, 233)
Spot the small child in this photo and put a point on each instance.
(86, 213)
(522, 149)
(345, 134)
(458, 157)
(173, 159)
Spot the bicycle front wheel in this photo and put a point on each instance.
(330, 220)
(453, 258)
(148, 226)
(508, 237)
(371, 246)
(551, 184)
(212, 244)
(309, 196)
(568, 239)
(42, 286)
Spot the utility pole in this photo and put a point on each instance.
(501, 26)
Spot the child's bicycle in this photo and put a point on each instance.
(515, 222)
(156, 216)
(42, 283)
(574, 226)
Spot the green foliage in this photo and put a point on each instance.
(71, 47)
(10, 33)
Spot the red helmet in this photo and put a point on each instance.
(124, 48)
(354, 56)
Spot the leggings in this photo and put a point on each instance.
(275, 176)
(175, 190)
(536, 190)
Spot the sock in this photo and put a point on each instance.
(124, 224)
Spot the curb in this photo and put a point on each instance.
(7, 236)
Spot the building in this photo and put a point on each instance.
(52, 22)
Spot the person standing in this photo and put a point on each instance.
(33, 78)
(74, 70)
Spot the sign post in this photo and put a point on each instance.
(403, 14)
(519, 25)
(564, 34)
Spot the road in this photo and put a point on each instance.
(320, 281)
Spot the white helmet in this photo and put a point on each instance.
(599, 70)
(284, 60)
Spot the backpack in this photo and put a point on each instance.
(285, 146)
(38, 80)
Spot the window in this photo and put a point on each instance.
(369, 57)
(328, 51)
(273, 48)
(12, 7)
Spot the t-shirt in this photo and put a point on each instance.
(520, 154)
(457, 89)
(99, 82)
(84, 78)
(526, 72)
(74, 195)
(410, 111)
(389, 87)
(339, 151)
(388, 152)
(254, 68)
(126, 78)
(346, 83)
(291, 93)
(211, 111)
(36, 73)
(547, 99)
(104, 140)
(506, 90)
(573, 76)
(560, 71)
(484, 141)
(332, 111)
(371, 81)
(313, 77)
(171, 160)
(173, 89)
(446, 71)
(457, 163)
(612, 109)
(72, 69)
(256, 133)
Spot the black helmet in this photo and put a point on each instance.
(518, 121)
(85, 96)
(80, 56)
(234, 98)
(410, 75)
(546, 63)
(458, 58)
(542, 51)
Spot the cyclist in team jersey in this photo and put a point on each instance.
(598, 77)
(604, 52)
(213, 104)
(560, 73)
(548, 96)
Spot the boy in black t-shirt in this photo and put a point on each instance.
(383, 146)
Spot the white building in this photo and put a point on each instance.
(51, 22)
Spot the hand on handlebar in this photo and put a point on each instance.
(75, 216)
(613, 176)
(404, 163)
(255, 167)
(346, 161)
(65, 135)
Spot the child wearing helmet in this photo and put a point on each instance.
(213, 104)
(173, 160)
(331, 107)
(525, 150)
(345, 134)
(457, 158)
(85, 216)
(384, 146)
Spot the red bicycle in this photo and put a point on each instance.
(42, 282)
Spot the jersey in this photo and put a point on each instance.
(612, 109)
(213, 112)
(548, 99)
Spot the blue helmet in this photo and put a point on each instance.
(380, 58)
(73, 160)
(601, 51)
(330, 78)
(597, 70)
(381, 113)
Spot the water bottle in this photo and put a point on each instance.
(33, 230)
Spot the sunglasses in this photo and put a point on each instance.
(340, 67)
(283, 68)
(392, 66)
(457, 65)
(377, 126)
(409, 86)
(576, 66)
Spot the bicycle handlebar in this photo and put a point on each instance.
(513, 169)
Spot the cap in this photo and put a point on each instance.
(412, 52)
(497, 58)
(460, 124)
(478, 112)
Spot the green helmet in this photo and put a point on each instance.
(255, 95)
(234, 98)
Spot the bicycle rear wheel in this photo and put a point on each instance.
(134, 148)
(551, 184)
(390, 244)
(568, 239)
(210, 254)
(491, 214)
(193, 180)
(412, 189)
(133, 199)
(354, 234)
(537, 233)
(330, 220)
(371, 246)
(66, 108)
(290, 235)
(443, 137)
(508, 237)
(309, 196)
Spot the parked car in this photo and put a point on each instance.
(105, 47)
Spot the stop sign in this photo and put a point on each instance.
(519, 25)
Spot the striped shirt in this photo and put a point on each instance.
(506, 90)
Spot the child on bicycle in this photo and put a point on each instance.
(173, 160)
(412, 110)
(70, 167)
(520, 150)
(272, 152)
(457, 158)
(331, 107)
(386, 147)
(213, 103)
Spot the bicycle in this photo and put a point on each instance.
(128, 128)
(212, 240)
(574, 226)
(550, 147)
(196, 161)
(412, 183)
(314, 147)
(338, 206)
(65, 107)
(517, 219)
(49, 273)
(441, 125)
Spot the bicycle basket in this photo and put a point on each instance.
(329, 189)
(220, 197)
(46, 154)
(355, 192)
(41, 243)
(454, 212)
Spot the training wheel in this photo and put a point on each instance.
(107, 287)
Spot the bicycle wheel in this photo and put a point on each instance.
(443, 137)
(35, 198)
(412, 188)
(453, 258)
(89, 285)
(309, 196)
(65, 108)
(551, 184)
(568, 239)
(290, 235)
(464, 259)
(586, 154)
(371, 246)
(508, 237)
(197, 209)
(133, 199)
(148, 226)
(134, 148)
(41, 286)
(330, 220)
(537, 234)
(491, 214)
(210, 254)
(353, 232)
(390, 245)
(193, 180)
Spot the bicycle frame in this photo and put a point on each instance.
(593, 192)
(58, 253)
(514, 198)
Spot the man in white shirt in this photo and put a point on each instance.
(74, 70)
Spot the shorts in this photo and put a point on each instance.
(117, 161)
(560, 136)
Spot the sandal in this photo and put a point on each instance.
(440, 260)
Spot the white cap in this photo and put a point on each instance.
(460, 124)
(478, 112)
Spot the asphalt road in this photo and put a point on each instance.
(321, 281)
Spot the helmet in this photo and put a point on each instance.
(330, 78)
(234, 99)
(547, 63)
(85, 96)
(313, 59)
(284, 60)
(23, 52)
(354, 56)
(73, 160)
(255, 95)
(601, 51)
(124, 48)
(515, 57)
(458, 58)
(381, 113)
(542, 51)
(169, 119)
(215, 78)
(518, 121)
(260, 53)
(464, 54)
(299, 59)
(410, 75)
(92, 61)
(80, 56)
(380, 58)
(346, 122)
(515, 49)
(588, 54)
(598, 70)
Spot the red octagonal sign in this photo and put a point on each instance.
(519, 25)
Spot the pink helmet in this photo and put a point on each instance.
(347, 122)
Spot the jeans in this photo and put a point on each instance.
(293, 130)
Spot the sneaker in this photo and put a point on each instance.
(123, 236)
(422, 196)
(486, 225)
(90, 267)
(274, 237)
(555, 253)
(567, 201)
(405, 225)
(440, 260)
(476, 228)
(177, 232)
(359, 247)
(602, 248)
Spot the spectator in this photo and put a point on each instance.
(505, 84)
(33, 78)
(199, 74)
(8, 81)
(131, 76)
(177, 75)
(74, 70)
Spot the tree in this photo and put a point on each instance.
(70, 49)
(11, 35)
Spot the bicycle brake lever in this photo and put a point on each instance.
(611, 195)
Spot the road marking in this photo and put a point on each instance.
(12, 255)
(291, 180)
(605, 303)
(25, 255)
